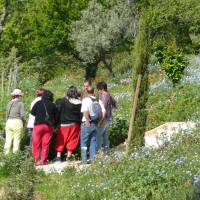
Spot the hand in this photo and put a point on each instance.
(87, 123)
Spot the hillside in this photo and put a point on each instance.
(167, 173)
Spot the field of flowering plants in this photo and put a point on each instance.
(171, 172)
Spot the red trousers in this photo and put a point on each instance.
(68, 136)
(42, 135)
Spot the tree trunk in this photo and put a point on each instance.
(142, 57)
(109, 66)
(4, 15)
(91, 70)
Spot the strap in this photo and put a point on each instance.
(10, 109)
(47, 115)
(93, 99)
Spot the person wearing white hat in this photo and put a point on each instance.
(14, 123)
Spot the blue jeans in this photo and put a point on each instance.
(88, 135)
(102, 136)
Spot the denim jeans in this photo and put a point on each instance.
(102, 136)
(88, 135)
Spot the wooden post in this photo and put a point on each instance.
(2, 82)
(133, 113)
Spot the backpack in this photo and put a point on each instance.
(96, 109)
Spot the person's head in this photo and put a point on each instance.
(90, 91)
(17, 93)
(72, 92)
(47, 95)
(87, 84)
(39, 92)
(102, 86)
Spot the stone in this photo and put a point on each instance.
(61, 167)
(162, 134)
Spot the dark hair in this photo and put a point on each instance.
(102, 86)
(47, 95)
(72, 92)
(90, 90)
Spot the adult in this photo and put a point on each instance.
(31, 118)
(87, 84)
(89, 127)
(109, 103)
(14, 123)
(69, 110)
(45, 118)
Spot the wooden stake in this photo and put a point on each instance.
(2, 81)
(133, 113)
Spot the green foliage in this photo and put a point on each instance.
(118, 131)
(100, 31)
(20, 173)
(150, 174)
(174, 20)
(172, 61)
(177, 104)
(174, 64)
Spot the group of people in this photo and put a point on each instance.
(79, 117)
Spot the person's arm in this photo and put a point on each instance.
(21, 110)
(87, 118)
(85, 111)
(33, 110)
(103, 113)
(8, 109)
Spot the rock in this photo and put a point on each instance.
(61, 167)
(162, 134)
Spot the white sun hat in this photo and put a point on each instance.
(17, 92)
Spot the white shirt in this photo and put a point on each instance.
(31, 118)
(87, 106)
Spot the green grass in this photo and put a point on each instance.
(162, 174)
(154, 174)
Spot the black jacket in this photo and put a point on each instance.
(39, 112)
(69, 112)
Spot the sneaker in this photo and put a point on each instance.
(57, 160)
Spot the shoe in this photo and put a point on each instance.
(57, 160)
(71, 158)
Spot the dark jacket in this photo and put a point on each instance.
(39, 112)
(69, 112)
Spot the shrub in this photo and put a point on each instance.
(174, 64)
(172, 61)
(20, 173)
(118, 131)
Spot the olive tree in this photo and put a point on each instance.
(100, 31)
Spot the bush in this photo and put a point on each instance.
(174, 64)
(20, 173)
(171, 59)
(118, 131)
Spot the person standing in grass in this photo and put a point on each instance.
(31, 118)
(69, 111)
(89, 124)
(109, 103)
(14, 123)
(45, 113)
